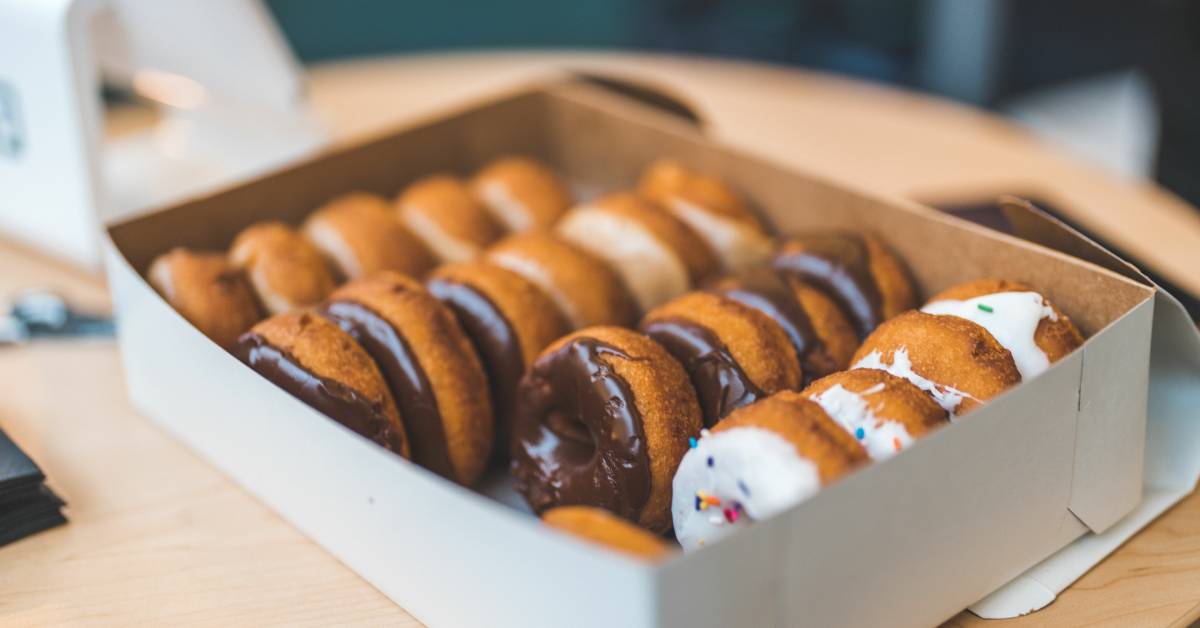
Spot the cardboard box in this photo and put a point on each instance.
(1067, 460)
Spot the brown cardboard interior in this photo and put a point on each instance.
(601, 141)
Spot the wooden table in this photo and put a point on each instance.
(157, 536)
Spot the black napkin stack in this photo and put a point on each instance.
(26, 504)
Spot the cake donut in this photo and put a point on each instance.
(208, 291)
(821, 334)
(761, 460)
(1023, 321)
(602, 419)
(508, 319)
(285, 270)
(429, 366)
(521, 193)
(585, 289)
(601, 527)
(657, 256)
(359, 235)
(951, 358)
(883, 412)
(858, 271)
(316, 362)
(734, 355)
(712, 210)
(442, 212)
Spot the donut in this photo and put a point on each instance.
(316, 362)
(585, 289)
(761, 460)
(818, 330)
(284, 269)
(884, 412)
(603, 528)
(442, 212)
(208, 291)
(508, 319)
(657, 256)
(734, 355)
(951, 358)
(430, 368)
(521, 193)
(602, 419)
(359, 235)
(712, 210)
(858, 271)
(1023, 321)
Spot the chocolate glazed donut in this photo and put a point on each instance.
(866, 279)
(317, 363)
(764, 291)
(603, 419)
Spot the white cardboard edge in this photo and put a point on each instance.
(1172, 466)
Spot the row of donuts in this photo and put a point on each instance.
(612, 419)
(532, 288)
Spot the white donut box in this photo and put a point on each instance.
(998, 512)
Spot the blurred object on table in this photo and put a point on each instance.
(27, 505)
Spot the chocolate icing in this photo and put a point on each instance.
(329, 397)
(577, 435)
(496, 341)
(764, 291)
(405, 377)
(721, 384)
(839, 264)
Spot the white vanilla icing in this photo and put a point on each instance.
(881, 437)
(653, 271)
(535, 274)
(740, 246)
(734, 477)
(947, 396)
(1012, 318)
(445, 246)
(511, 213)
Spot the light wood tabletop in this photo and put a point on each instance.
(156, 536)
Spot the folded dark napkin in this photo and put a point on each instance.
(26, 504)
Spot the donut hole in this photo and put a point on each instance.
(576, 439)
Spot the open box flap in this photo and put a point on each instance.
(1171, 464)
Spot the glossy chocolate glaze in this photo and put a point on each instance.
(721, 384)
(405, 377)
(839, 264)
(496, 341)
(329, 397)
(577, 434)
(764, 291)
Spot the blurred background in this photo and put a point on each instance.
(1114, 81)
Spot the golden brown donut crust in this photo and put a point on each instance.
(443, 351)
(804, 424)
(533, 315)
(365, 225)
(947, 350)
(285, 270)
(1056, 338)
(898, 400)
(446, 201)
(697, 257)
(586, 289)
(322, 348)
(664, 399)
(891, 275)
(665, 180)
(208, 291)
(531, 183)
(757, 343)
(829, 322)
(601, 527)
